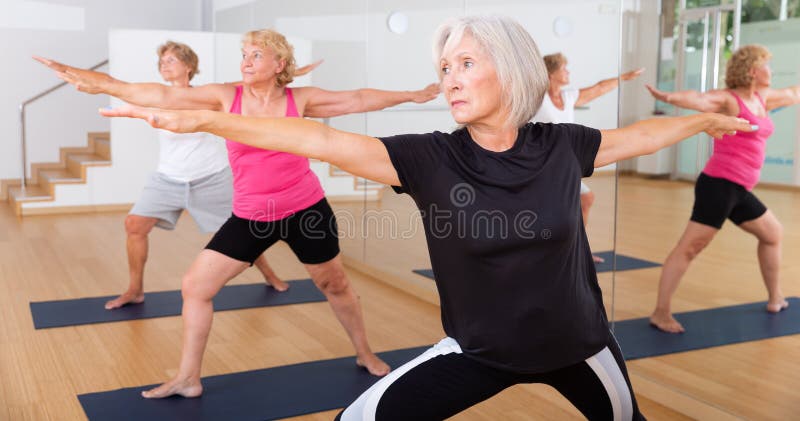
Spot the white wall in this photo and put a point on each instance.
(75, 32)
(640, 39)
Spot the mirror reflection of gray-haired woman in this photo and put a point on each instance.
(520, 300)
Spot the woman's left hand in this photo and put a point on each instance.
(429, 93)
(719, 125)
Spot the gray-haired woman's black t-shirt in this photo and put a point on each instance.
(512, 263)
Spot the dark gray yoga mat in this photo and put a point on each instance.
(81, 311)
(623, 263)
(317, 386)
(266, 394)
(707, 328)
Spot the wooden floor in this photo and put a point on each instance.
(72, 256)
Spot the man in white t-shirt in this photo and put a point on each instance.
(559, 105)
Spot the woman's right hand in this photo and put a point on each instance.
(300, 71)
(87, 81)
(633, 74)
(659, 95)
(719, 125)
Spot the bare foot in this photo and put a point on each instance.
(127, 298)
(777, 306)
(277, 283)
(185, 388)
(666, 323)
(373, 364)
(598, 259)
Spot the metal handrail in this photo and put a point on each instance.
(23, 145)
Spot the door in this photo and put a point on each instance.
(703, 38)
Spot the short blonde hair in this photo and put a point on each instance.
(277, 43)
(554, 61)
(182, 52)
(737, 71)
(519, 66)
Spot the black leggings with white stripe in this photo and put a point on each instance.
(443, 382)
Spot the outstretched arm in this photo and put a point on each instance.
(604, 86)
(207, 97)
(321, 103)
(715, 101)
(648, 136)
(776, 98)
(357, 154)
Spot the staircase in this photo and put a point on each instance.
(373, 190)
(71, 169)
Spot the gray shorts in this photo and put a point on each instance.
(584, 188)
(209, 200)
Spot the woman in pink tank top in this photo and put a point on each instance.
(276, 195)
(723, 190)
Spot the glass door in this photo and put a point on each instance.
(705, 38)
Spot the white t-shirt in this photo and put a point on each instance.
(190, 156)
(548, 113)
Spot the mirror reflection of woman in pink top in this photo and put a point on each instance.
(276, 195)
(559, 105)
(724, 188)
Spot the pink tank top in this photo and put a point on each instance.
(739, 158)
(270, 185)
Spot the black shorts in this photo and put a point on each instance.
(311, 233)
(718, 199)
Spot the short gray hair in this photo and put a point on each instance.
(516, 57)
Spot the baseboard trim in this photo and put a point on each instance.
(60, 210)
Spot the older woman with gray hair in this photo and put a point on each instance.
(520, 304)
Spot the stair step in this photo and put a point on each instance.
(33, 193)
(102, 147)
(76, 162)
(100, 135)
(338, 172)
(58, 175)
(48, 178)
(368, 183)
(88, 158)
